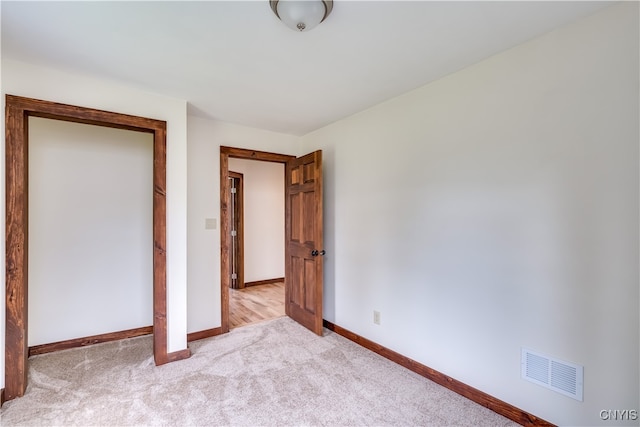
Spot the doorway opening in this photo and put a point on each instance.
(246, 300)
(18, 111)
(303, 234)
(94, 259)
(257, 241)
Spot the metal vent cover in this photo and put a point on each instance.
(563, 377)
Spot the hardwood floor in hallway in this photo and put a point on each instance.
(255, 304)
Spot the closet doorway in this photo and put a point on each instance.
(18, 111)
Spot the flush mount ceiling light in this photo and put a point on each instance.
(301, 15)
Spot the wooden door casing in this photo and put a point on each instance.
(237, 225)
(304, 241)
(17, 111)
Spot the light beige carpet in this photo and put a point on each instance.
(274, 373)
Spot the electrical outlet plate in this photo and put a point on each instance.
(376, 317)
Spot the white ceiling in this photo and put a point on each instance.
(234, 61)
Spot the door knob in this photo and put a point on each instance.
(322, 252)
(314, 253)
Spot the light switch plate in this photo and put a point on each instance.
(376, 317)
(209, 223)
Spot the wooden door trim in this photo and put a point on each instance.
(91, 340)
(240, 230)
(225, 244)
(18, 110)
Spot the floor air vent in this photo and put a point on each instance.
(557, 375)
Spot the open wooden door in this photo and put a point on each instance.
(304, 245)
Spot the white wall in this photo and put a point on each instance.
(205, 139)
(497, 208)
(263, 218)
(43, 83)
(90, 230)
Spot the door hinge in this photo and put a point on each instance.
(234, 190)
(234, 276)
(234, 233)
